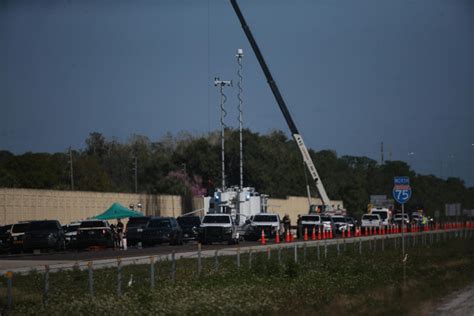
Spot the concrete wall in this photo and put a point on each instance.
(294, 205)
(67, 206)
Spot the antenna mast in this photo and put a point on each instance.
(240, 55)
(222, 84)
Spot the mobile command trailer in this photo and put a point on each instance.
(240, 205)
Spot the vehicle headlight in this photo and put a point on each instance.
(228, 230)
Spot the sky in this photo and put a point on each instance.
(353, 74)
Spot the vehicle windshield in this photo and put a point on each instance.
(91, 224)
(339, 219)
(326, 218)
(216, 219)
(189, 220)
(399, 216)
(265, 218)
(159, 223)
(43, 225)
(370, 217)
(20, 228)
(383, 215)
(137, 221)
(71, 228)
(308, 218)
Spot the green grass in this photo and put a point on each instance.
(370, 283)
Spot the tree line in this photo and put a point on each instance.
(190, 165)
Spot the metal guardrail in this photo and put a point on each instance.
(321, 249)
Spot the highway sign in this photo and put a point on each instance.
(401, 189)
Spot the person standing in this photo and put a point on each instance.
(120, 232)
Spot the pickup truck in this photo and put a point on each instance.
(269, 223)
(218, 227)
(371, 220)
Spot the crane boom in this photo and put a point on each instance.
(284, 109)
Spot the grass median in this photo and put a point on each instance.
(367, 283)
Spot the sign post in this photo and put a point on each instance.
(401, 194)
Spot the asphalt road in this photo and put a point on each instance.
(460, 303)
(73, 255)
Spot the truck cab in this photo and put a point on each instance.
(269, 223)
(384, 213)
(218, 227)
(371, 220)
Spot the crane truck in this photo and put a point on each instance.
(326, 207)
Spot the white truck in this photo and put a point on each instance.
(241, 205)
(269, 223)
(218, 228)
(371, 220)
(384, 213)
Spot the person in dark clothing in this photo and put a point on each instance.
(286, 223)
(120, 232)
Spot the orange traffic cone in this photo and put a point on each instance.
(349, 233)
(263, 241)
(277, 237)
(292, 237)
(319, 233)
(366, 233)
(343, 234)
(305, 236)
(330, 234)
(313, 235)
(287, 238)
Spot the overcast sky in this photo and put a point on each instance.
(353, 73)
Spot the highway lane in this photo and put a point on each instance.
(23, 262)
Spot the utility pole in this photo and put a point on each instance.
(184, 179)
(135, 168)
(381, 153)
(222, 84)
(71, 169)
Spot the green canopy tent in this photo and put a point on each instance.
(117, 211)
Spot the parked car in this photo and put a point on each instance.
(352, 223)
(134, 230)
(218, 228)
(46, 234)
(162, 230)
(17, 234)
(327, 224)
(95, 233)
(269, 223)
(70, 232)
(340, 223)
(397, 219)
(190, 226)
(309, 222)
(371, 220)
(5, 237)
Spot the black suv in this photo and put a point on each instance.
(5, 238)
(190, 226)
(95, 233)
(135, 227)
(162, 230)
(47, 234)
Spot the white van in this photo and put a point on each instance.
(384, 213)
